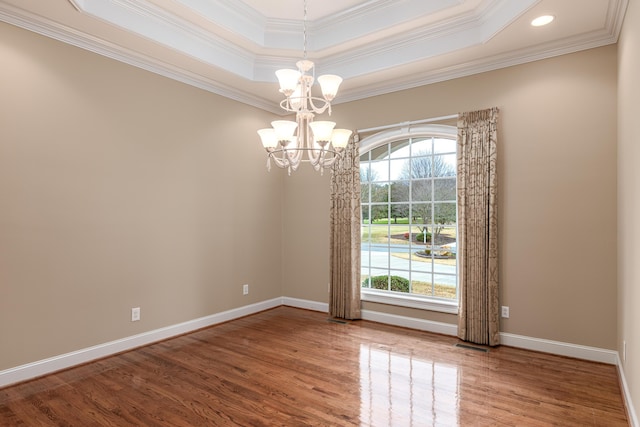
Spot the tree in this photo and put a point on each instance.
(379, 194)
(399, 193)
(423, 168)
(423, 165)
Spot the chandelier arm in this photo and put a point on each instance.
(295, 156)
(322, 108)
(285, 104)
(330, 161)
(314, 155)
(281, 162)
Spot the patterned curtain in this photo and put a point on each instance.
(345, 235)
(478, 319)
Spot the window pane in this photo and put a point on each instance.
(380, 153)
(379, 256)
(399, 234)
(364, 171)
(443, 145)
(379, 171)
(379, 193)
(399, 149)
(422, 265)
(365, 211)
(399, 169)
(379, 214)
(421, 167)
(415, 234)
(421, 190)
(380, 234)
(444, 189)
(399, 281)
(445, 286)
(421, 213)
(400, 192)
(374, 277)
(444, 165)
(420, 146)
(365, 234)
(446, 239)
(444, 213)
(364, 193)
(365, 257)
(422, 285)
(379, 279)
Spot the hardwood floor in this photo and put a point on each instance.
(292, 367)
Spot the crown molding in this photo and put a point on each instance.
(489, 63)
(418, 44)
(148, 20)
(67, 35)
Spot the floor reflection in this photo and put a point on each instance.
(403, 390)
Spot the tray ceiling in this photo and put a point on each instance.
(233, 47)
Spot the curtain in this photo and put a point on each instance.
(344, 289)
(479, 318)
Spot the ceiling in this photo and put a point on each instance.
(233, 47)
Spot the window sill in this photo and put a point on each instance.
(411, 301)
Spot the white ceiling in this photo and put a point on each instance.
(233, 47)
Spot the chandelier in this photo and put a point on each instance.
(286, 141)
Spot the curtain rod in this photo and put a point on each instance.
(416, 122)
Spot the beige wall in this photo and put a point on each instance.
(117, 191)
(629, 199)
(557, 165)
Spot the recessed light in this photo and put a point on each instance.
(542, 20)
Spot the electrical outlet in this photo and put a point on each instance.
(135, 314)
(245, 289)
(505, 311)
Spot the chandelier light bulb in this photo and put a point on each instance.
(329, 84)
(296, 98)
(322, 131)
(268, 137)
(284, 130)
(288, 80)
(340, 138)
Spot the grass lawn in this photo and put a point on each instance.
(442, 291)
(383, 232)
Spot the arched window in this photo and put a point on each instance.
(409, 217)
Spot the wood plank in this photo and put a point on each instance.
(288, 367)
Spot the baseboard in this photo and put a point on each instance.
(56, 363)
(410, 322)
(376, 316)
(529, 343)
(626, 395)
(306, 304)
(593, 354)
(63, 361)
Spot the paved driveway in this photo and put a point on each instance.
(380, 257)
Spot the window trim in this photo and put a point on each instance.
(395, 298)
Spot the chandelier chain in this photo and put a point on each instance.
(304, 32)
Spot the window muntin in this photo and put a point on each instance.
(409, 217)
